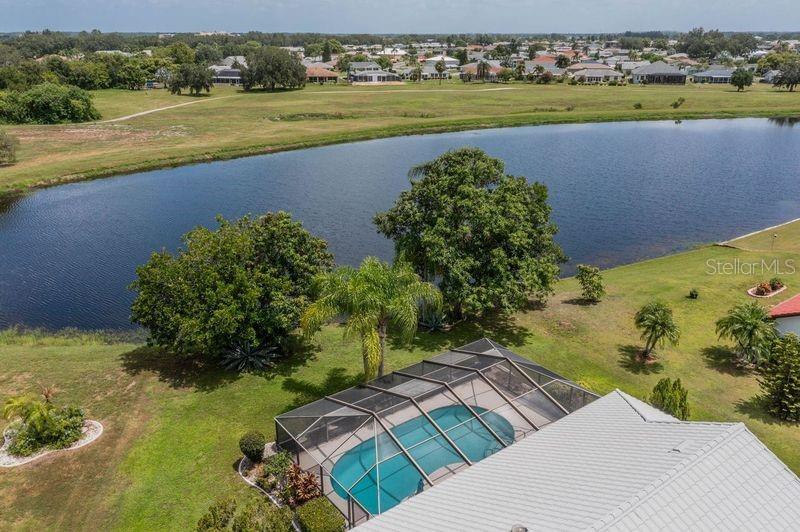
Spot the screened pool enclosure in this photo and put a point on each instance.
(374, 445)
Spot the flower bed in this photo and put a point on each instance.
(767, 288)
(90, 432)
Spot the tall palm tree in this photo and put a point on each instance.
(482, 70)
(374, 298)
(655, 322)
(749, 325)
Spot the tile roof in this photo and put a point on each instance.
(615, 464)
(790, 307)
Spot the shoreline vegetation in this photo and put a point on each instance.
(172, 425)
(231, 124)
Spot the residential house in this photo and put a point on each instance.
(787, 315)
(597, 75)
(659, 73)
(574, 67)
(226, 75)
(629, 66)
(713, 75)
(358, 67)
(374, 76)
(469, 71)
(449, 62)
(321, 75)
(769, 76)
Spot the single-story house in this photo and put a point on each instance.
(721, 75)
(658, 72)
(320, 75)
(597, 75)
(574, 67)
(374, 76)
(470, 70)
(615, 464)
(449, 62)
(531, 67)
(629, 66)
(787, 315)
(232, 59)
(225, 75)
(394, 54)
(362, 66)
(769, 76)
(428, 72)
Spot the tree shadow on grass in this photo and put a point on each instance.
(756, 408)
(630, 360)
(581, 302)
(502, 329)
(206, 375)
(721, 358)
(336, 380)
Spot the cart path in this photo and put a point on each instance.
(142, 113)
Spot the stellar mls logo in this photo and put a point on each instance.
(740, 267)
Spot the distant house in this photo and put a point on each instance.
(574, 67)
(449, 62)
(470, 71)
(233, 59)
(629, 66)
(769, 76)
(225, 75)
(394, 54)
(660, 73)
(357, 67)
(531, 66)
(787, 315)
(594, 75)
(721, 75)
(320, 75)
(427, 72)
(374, 76)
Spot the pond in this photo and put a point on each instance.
(620, 192)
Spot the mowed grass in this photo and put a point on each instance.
(230, 123)
(172, 427)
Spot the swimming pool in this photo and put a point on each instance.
(394, 479)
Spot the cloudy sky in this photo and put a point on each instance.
(405, 16)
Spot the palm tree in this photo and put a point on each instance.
(482, 70)
(440, 68)
(748, 325)
(655, 322)
(373, 298)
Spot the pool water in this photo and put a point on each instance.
(394, 479)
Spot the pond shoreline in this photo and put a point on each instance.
(14, 191)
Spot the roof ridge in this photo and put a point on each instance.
(625, 396)
(668, 477)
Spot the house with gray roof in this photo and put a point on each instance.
(592, 75)
(614, 464)
(713, 75)
(660, 73)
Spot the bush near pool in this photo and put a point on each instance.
(319, 515)
(252, 445)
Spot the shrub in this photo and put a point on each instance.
(8, 148)
(41, 424)
(276, 468)
(218, 516)
(677, 103)
(763, 289)
(319, 515)
(775, 283)
(671, 397)
(780, 378)
(591, 282)
(252, 445)
(637, 105)
(301, 486)
(694, 293)
(48, 103)
(263, 516)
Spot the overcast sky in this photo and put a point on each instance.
(405, 16)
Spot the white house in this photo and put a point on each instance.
(787, 315)
(449, 62)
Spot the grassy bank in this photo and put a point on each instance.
(170, 445)
(230, 124)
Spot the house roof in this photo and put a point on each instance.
(716, 73)
(659, 67)
(317, 72)
(785, 309)
(597, 73)
(615, 464)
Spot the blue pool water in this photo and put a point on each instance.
(399, 479)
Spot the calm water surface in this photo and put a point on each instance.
(620, 192)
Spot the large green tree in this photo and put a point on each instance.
(749, 325)
(483, 235)
(780, 378)
(196, 78)
(238, 289)
(377, 300)
(272, 67)
(741, 78)
(655, 322)
(789, 76)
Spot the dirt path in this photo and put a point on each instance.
(142, 113)
(401, 91)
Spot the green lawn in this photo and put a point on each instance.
(229, 123)
(172, 428)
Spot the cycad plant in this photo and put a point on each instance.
(376, 299)
(655, 322)
(749, 326)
